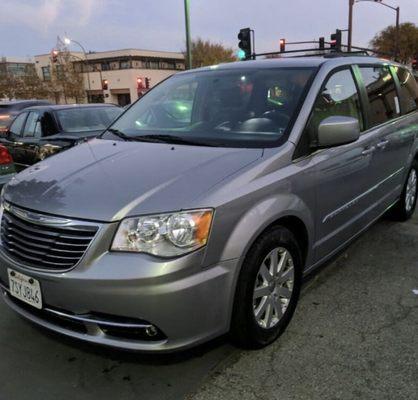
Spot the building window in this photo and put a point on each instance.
(60, 72)
(125, 64)
(105, 66)
(16, 69)
(46, 73)
(152, 64)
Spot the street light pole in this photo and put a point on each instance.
(396, 9)
(68, 41)
(188, 40)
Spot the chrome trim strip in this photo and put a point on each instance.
(356, 199)
(324, 259)
(43, 219)
(97, 321)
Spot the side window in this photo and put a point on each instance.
(48, 125)
(381, 91)
(409, 90)
(32, 125)
(339, 97)
(16, 127)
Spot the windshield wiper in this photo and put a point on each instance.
(118, 133)
(171, 139)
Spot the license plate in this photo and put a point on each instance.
(25, 288)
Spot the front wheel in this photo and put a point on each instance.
(267, 290)
(404, 209)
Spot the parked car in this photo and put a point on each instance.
(9, 110)
(39, 132)
(172, 228)
(7, 167)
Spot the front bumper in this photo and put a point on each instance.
(187, 304)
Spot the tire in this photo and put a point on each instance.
(248, 330)
(404, 209)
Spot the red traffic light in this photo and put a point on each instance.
(54, 55)
(282, 45)
(105, 84)
(139, 83)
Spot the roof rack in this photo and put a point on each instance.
(326, 52)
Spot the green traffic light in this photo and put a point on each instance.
(241, 54)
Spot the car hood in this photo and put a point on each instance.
(106, 180)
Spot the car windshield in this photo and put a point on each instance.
(87, 119)
(240, 108)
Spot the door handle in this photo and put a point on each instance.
(382, 144)
(368, 151)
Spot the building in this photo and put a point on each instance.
(15, 66)
(119, 76)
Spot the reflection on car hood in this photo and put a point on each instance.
(107, 180)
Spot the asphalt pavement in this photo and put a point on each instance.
(353, 336)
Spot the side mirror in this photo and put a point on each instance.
(338, 130)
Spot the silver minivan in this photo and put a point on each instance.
(199, 211)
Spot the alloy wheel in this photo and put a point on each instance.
(273, 287)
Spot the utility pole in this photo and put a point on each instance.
(350, 24)
(188, 39)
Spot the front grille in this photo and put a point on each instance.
(44, 246)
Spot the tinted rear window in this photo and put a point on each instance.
(380, 86)
(409, 90)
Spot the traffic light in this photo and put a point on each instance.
(282, 45)
(139, 83)
(244, 44)
(336, 40)
(147, 83)
(54, 55)
(105, 84)
(322, 43)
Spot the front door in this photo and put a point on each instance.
(32, 133)
(14, 138)
(343, 174)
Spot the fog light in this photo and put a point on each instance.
(151, 331)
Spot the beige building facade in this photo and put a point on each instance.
(119, 76)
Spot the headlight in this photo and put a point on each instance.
(165, 235)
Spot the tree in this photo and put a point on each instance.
(66, 79)
(206, 53)
(385, 41)
(27, 86)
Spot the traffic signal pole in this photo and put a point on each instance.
(188, 39)
(350, 24)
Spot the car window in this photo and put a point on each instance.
(48, 124)
(409, 90)
(339, 97)
(381, 91)
(78, 120)
(16, 126)
(32, 126)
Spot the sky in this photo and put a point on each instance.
(30, 27)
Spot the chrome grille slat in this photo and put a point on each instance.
(44, 246)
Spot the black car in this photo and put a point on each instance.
(38, 132)
(9, 110)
